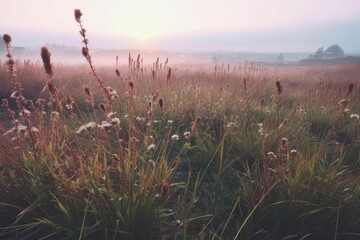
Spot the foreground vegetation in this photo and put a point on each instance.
(187, 152)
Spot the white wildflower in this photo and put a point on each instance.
(175, 137)
(105, 125)
(115, 121)
(344, 101)
(86, 127)
(354, 116)
(346, 111)
(152, 163)
(14, 94)
(140, 119)
(151, 147)
(111, 114)
(55, 115)
(27, 112)
(230, 125)
(187, 135)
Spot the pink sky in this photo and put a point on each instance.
(144, 20)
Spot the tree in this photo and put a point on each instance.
(334, 51)
(319, 53)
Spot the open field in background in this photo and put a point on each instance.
(204, 152)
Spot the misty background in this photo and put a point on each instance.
(206, 30)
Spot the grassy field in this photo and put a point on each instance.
(178, 152)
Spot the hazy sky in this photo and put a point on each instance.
(254, 25)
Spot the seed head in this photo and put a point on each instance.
(7, 39)
(262, 102)
(168, 75)
(87, 91)
(85, 52)
(102, 107)
(350, 89)
(51, 87)
(161, 103)
(278, 86)
(131, 84)
(77, 14)
(46, 58)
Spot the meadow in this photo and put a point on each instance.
(186, 151)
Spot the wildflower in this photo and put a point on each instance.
(175, 137)
(5, 103)
(284, 140)
(27, 112)
(354, 116)
(346, 111)
(271, 155)
(115, 121)
(111, 114)
(151, 147)
(187, 135)
(105, 125)
(164, 188)
(86, 127)
(111, 92)
(293, 151)
(170, 122)
(14, 94)
(284, 123)
(261, 130)
(344, 101)
(140, 119)
(55, 115)
(230, 125)
(152, 163)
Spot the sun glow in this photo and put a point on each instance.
(145, 20)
